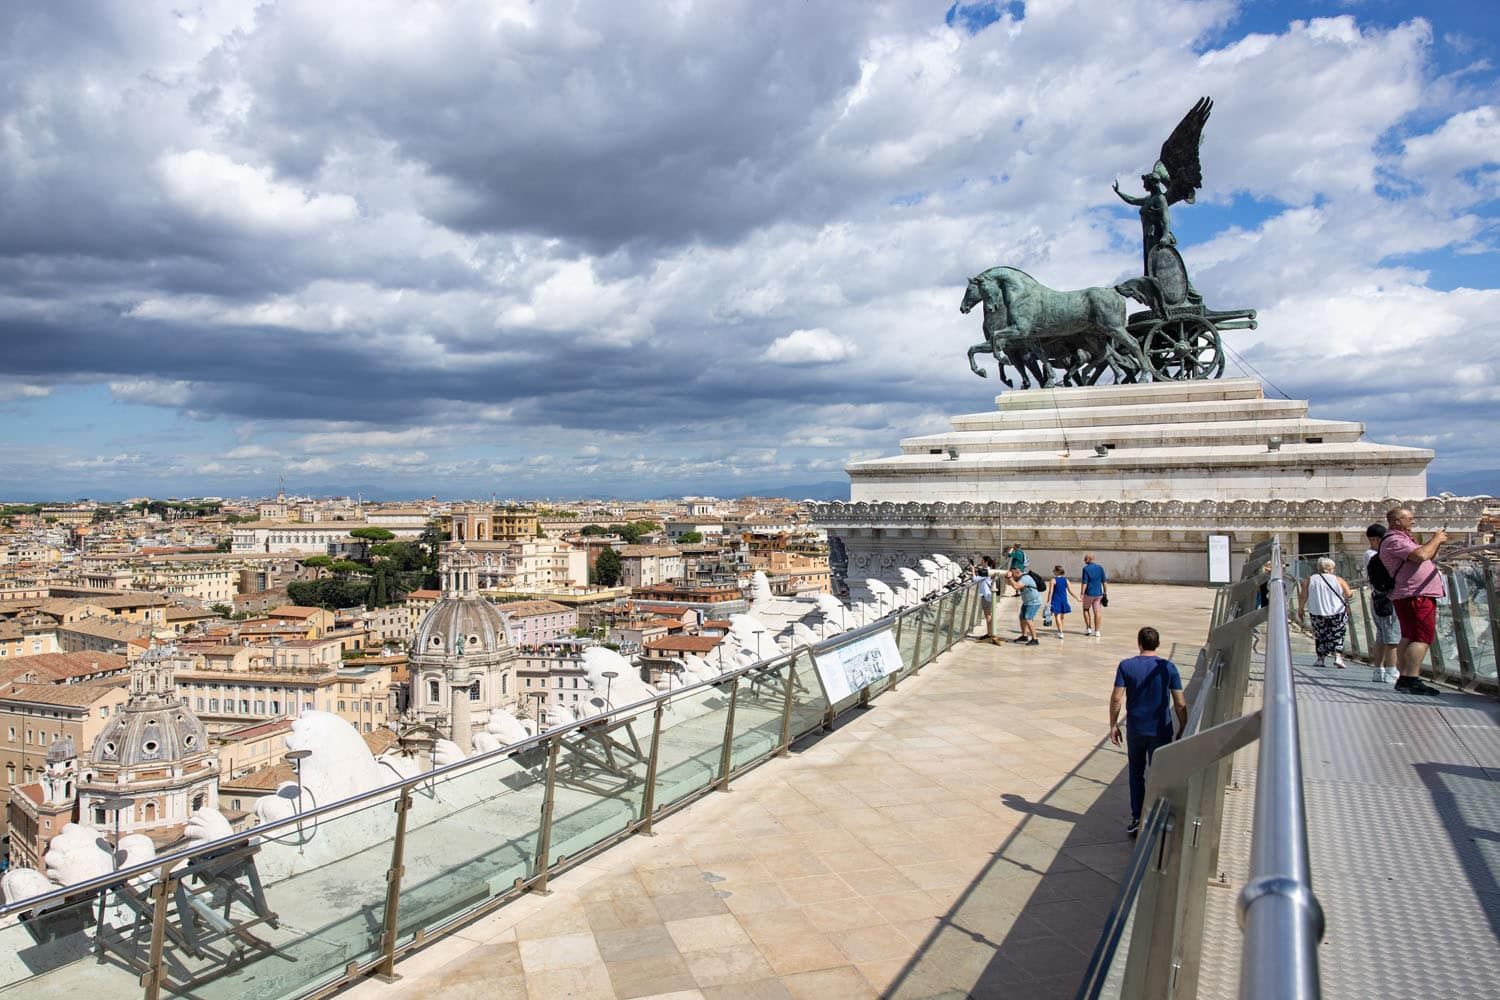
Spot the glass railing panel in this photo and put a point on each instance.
(757, 714)
(1354, 636)
(808, 704)
(55, 952)
(692, 738)
(906, 641)
(1445, 658)
(1472, 592)
(601, 783)
(324, 895)
(470, 835)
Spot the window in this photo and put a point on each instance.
(260, 706)
(275, 706)
(434, 690)
(244, 706)
(200, 704)
(103, 711)
(307, 706)
(13, 732)
(367, 706)
(474, 691)
(213, 704)
(98, 816)
(341, 706)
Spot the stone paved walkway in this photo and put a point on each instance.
(962, 837)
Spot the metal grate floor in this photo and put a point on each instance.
(1403, 807)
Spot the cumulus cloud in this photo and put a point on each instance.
(424, 244)
(809, 347)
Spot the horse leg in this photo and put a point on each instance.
(975, 368)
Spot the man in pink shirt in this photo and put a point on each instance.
(1419, 586)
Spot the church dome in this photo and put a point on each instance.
(60, 750)
(461, 623)
(154, 727)
(454, 625)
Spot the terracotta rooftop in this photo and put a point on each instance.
(71, 695)
(59, 668)
(531, 609)
(293, 611)
(684, 643)
(265, 779)
(423, 595)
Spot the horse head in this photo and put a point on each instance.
(973, 295)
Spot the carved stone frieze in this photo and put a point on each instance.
(1462, 513)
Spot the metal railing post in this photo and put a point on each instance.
(1281, 918)
(386, 970)
(725, 753)
(952, 601)
(917, 663)
(783, 746)
(161, 895)
(648, 801)
(544, 835)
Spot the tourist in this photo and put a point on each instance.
(1017, 557)
(985, 582)
(1387, 629)
(1419, 586)
(1025, 585)
(1059, 603)
(1149, 689)
(1093, 588)
(1325, 601)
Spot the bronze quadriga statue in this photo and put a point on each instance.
(1039, 331)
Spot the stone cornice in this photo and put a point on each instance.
(1146, 513)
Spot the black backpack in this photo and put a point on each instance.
(1380, 578)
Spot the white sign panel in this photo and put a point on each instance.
(848, 669)
(1218, 558)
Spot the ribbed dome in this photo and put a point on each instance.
(473, 619)
(60, 750)
(150, 735)
(154, 727)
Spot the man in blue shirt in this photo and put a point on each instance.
(1150, 690)
(1093, 585)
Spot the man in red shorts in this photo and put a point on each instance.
(1419, 586)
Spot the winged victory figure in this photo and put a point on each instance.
(1175, 177)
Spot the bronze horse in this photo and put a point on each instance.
(1035, 328)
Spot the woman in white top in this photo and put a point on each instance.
(1325, 601)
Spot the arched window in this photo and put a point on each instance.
(197, 802)
(474, 691)
(150, 812)
(434, 690)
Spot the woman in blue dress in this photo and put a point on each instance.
(1059, 605)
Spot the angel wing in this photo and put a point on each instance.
(1179, 154)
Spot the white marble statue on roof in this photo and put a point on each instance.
(205, 826)
(911, 590)
(501, 729)
(835, 614)
(445, 752)
(23, 883)
(75, 855)
(624, 689)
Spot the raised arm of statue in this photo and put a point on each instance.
(1130, 199)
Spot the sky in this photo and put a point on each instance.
(662, 247)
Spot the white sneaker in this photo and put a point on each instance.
(1391, 675)
(1377, 676)
(1338, 660)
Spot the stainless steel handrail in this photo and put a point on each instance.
(155, 865)
(1281, 918)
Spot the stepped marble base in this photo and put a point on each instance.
(1139, 475)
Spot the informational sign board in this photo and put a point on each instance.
(1218, 558)
(845, 671)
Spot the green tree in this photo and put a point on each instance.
(405, 557)
(349, 566)
(373, 534)
(594, 530)
(221, 609)
(331, 592)
(607, 568)
(432, 543)
(385, 587)
(224, 546)
(690, 537)
(318, 562)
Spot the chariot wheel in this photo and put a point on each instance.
(1185, 347)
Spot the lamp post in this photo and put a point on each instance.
(609, 682)
(296, 757)
(540, 697)
(115, 804)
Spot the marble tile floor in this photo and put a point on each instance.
(963, 837)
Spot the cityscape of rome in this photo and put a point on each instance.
(749, 500)
(284, 604)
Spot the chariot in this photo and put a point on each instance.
(1180, 337)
